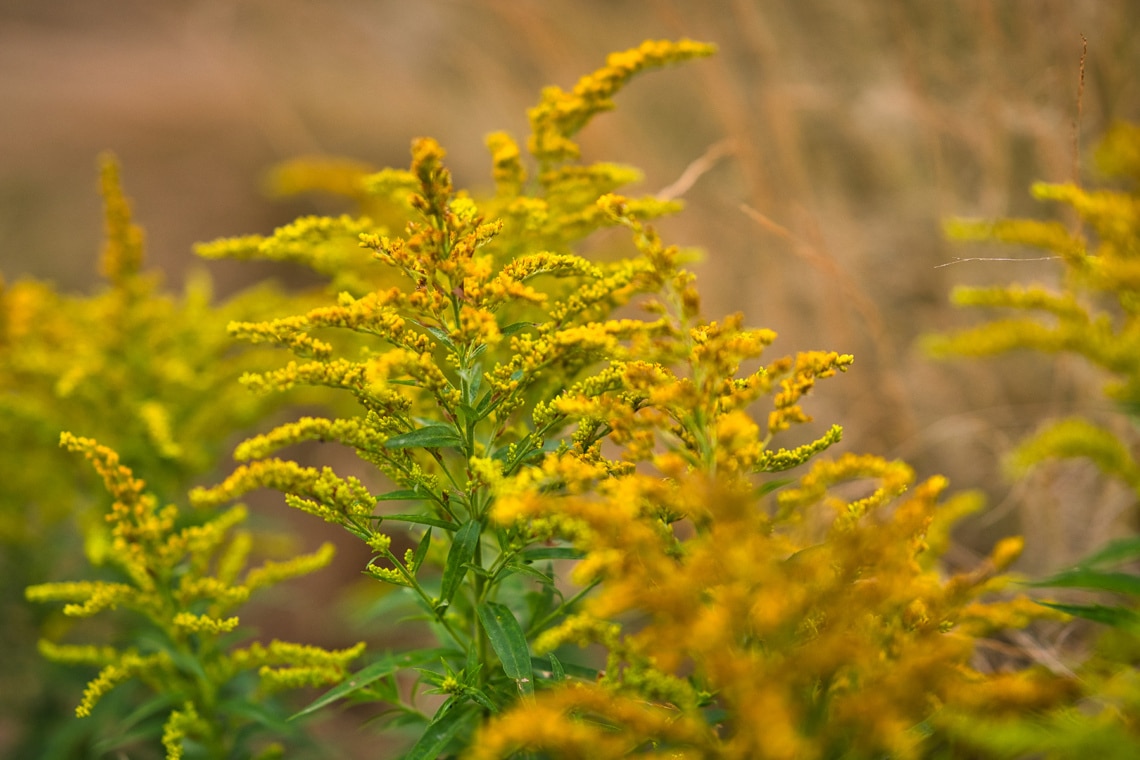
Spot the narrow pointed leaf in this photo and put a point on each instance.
(558, 673)
(550, 552)
(509, 643)
(1081, 577)
(446, 724)
(458, 557)
(516, 327)
(428, 437)
(1122, 550)
(382, 668)
(1117, 617)
(568, 668)
(434, 522)
(404, 494)
(421, 551)
(515, 567)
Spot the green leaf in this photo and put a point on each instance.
(550, 552)
(439, 334)
(460, 554)
(568, 668)
(448, 721)
(421, 551)
(472, 380)
(515, 327)
(480, 696)
(434, 522)
(557, 672)
(772, 485)
(1122, 550)
(515, 567)
(509, 643)
(404, 494)
(468, 417)
(1084, 577)
(1117, 617)
(439, 435)
(382, 668)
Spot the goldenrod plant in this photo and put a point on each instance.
(183, 580)
(1094, 314)
(153, 376)
(526, 418)
(597, 501)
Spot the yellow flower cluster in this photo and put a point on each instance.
(169, 581)
(812, 631)
(522, 419)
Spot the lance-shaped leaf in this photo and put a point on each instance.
(421, 551)
(459, 556)
(448, 722)
(382, 668)
(436, 436)
(509, 643)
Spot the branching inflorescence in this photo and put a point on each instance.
(574, 455)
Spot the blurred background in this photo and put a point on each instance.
(836, 137)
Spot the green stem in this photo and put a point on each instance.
(428, 601)
(558, 611)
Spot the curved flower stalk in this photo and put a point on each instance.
(184, 580)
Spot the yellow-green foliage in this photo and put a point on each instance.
(1095, 314)
(183, 581)
(522, 417)
(150, 374)
(579, 457)
(147, 373)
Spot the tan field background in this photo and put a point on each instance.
(836, 137)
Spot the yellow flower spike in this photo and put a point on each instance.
(301, 241)
(507, 169)
(156, 419)
(289, 332)
(379, 543)
(1006, 552)
(560, 115)
(344, 496)
(272, 573)
(435, 188)
(222, 593)
(128, 665)
(338, 176)
(123, 252)
(181, 725)
(204, 539)
(391, 184)
(119, 480)
(350, 432)
(337, 373)
(72, 654)
(191, 623)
